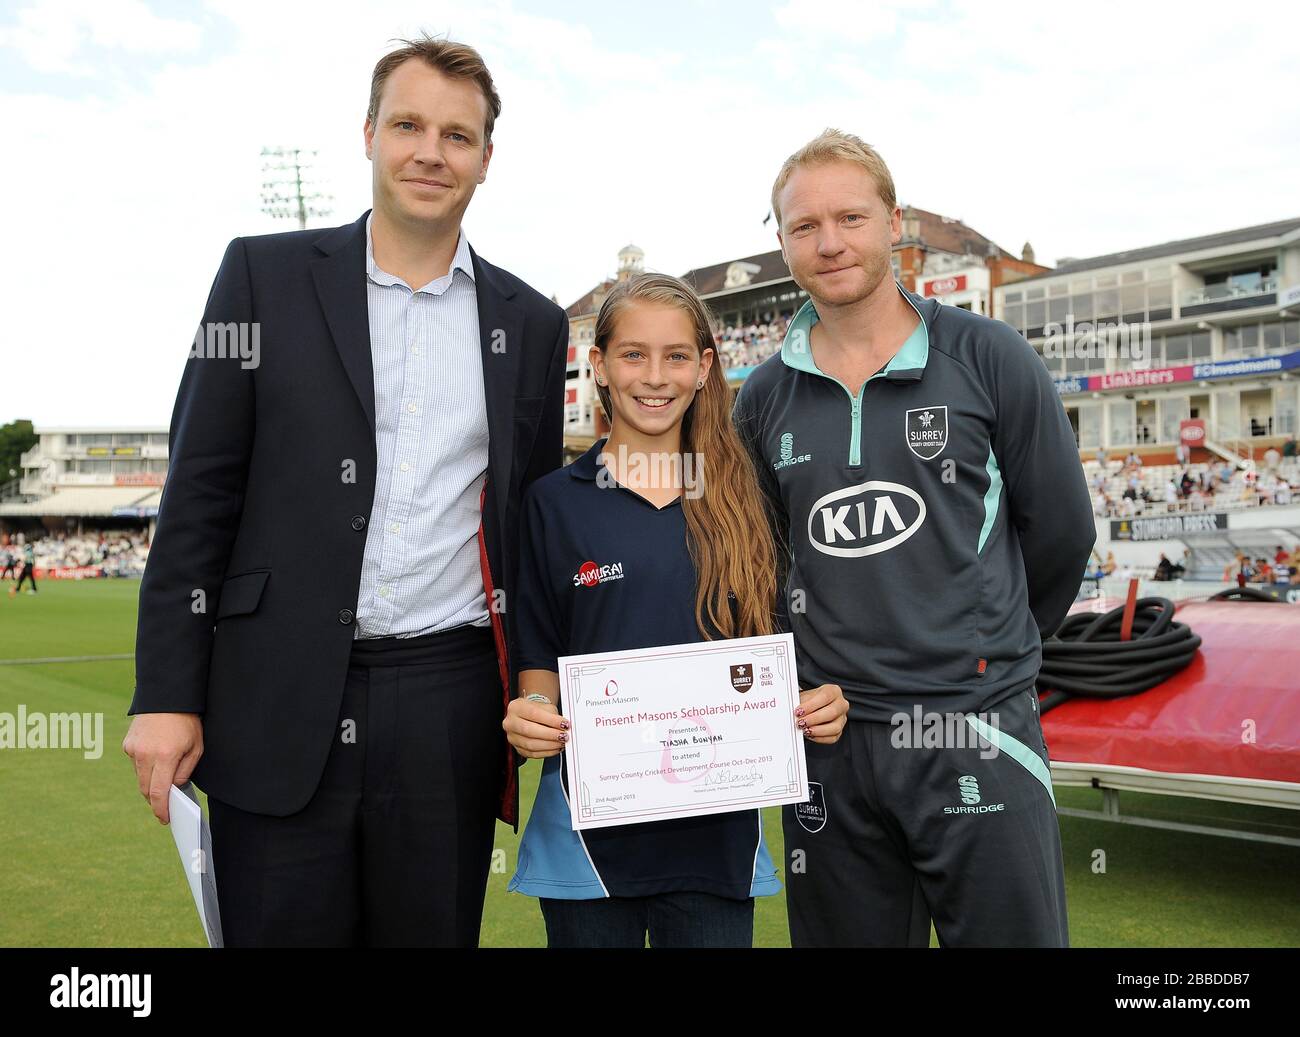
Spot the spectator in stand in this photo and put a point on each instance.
(1108, 566)
(1181, 455)
(1196, 499)
(1272, 459)
(1186, 483)
(1289, 448)
(1280, 555)
(1101, 457)
(1263, 571)
(1267, 488)
(1244, 571)
(1100, 504)
(1283, 493)
(1171, 496)
(1234, 567)
(1178, 569)
(1225, 472)
(1133, 461)
(11, 564)
(1163, 568)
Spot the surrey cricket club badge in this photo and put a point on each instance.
(927, 431)
(812, 815)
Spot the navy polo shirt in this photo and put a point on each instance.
(602, 569)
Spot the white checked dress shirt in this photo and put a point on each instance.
(420, 571)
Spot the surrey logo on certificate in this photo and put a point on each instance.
(682, 730)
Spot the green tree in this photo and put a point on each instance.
(15, 439)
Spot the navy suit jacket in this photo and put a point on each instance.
(248, 602)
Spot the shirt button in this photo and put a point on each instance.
(358, 522)
(411, 407)
(394, 528)
(405, 467)
(345, 617)
(383, 592)
(415, 350)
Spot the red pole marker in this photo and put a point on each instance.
(1130, 610)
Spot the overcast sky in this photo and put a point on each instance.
(133, 133)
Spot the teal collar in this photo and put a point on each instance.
(907, 365)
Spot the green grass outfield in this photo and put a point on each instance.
(83, 862)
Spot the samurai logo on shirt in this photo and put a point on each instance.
(927, 431)
(590, 574)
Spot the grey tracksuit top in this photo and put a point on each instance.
(931, 528)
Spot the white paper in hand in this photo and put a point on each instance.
(194, 844)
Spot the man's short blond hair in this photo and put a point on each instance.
(835, 145)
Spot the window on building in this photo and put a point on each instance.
(1106, 304)
(1271, 336)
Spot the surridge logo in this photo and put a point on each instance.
(969, 788)
(787, 452)
(865, 519)
(590, 574)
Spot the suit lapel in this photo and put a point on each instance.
(340, 276)
(501, 337)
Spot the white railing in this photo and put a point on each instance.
(1224, 292)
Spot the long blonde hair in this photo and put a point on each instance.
(727, 530)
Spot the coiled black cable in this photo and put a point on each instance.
(1087, 657)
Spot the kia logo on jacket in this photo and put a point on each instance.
(865, 519)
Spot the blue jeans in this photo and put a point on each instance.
(671, 919)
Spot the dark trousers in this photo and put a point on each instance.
(898, 833)
(29, 573)
(670, 919)
(394, 847)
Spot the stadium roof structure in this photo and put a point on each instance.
(587, 303)
(63, 430)
(1278, 229)
(85, 502)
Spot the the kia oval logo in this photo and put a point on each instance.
(1193, 432)
(850, 523)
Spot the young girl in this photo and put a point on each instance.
(621, 552)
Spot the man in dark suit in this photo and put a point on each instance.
(324, 632)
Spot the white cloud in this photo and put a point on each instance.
(51, 35)
(1082, 130)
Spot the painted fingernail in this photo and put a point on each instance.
(563, 737)
(803, 724)
(799, 712)
(564, 724)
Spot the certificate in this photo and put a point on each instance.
(682, 730)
